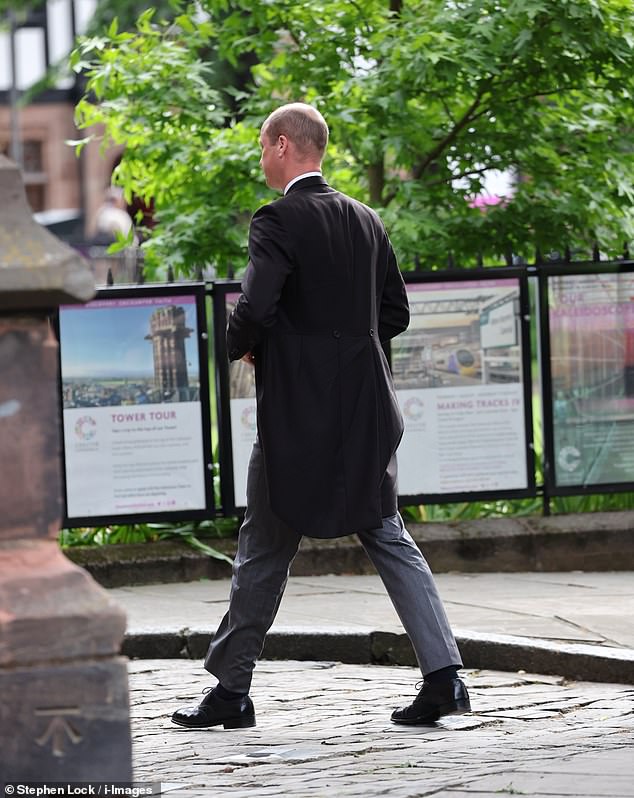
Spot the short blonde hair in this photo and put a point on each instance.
(302, 124)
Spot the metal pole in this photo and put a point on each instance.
(77, 93)
(15, 150)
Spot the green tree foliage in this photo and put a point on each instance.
(422, 97)
(127, 12)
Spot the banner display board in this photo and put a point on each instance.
(136, 406)
(461, 373)
(242, 411)
(591, 385)
(236, 404)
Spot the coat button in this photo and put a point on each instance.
(336, 333)
(371, 332)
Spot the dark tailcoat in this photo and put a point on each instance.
(322, 290)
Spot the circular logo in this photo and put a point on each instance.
(569, 458)
(85, 428)
(413, 408)
(248, 417)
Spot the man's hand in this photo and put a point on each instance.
(249, 358)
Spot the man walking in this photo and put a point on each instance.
(321, 293)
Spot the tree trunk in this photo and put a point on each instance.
(376, 179)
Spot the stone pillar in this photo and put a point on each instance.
(63, 688)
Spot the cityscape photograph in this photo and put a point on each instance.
(128, 355)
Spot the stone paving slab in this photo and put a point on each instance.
(323, 730)
(567, 607)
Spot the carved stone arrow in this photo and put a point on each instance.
(59, 731)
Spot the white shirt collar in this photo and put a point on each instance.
(300, 177)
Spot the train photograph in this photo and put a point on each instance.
(458, 336)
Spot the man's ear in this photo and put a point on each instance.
(282, 145)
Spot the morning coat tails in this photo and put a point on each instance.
(321, 291)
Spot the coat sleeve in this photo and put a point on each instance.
(394, 307)
(270, 263)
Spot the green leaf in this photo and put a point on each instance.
(195, 543)
(185, 23)
(123, 242)
(78, 144)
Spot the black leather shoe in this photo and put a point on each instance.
(213, 711)
(434, 701)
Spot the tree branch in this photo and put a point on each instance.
(540, 93)
(467, 117)
(463, 175)
(447, 111)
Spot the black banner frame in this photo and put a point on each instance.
(478, 274)
(544, 271)
(198, 291)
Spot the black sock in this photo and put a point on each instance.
(226, 695)
(442, 675)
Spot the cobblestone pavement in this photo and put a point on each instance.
(323, 730)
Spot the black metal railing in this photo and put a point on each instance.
(587, 433)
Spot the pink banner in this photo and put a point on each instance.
(132, 302)
(462, 284)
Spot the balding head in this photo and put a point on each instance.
(303, 125)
